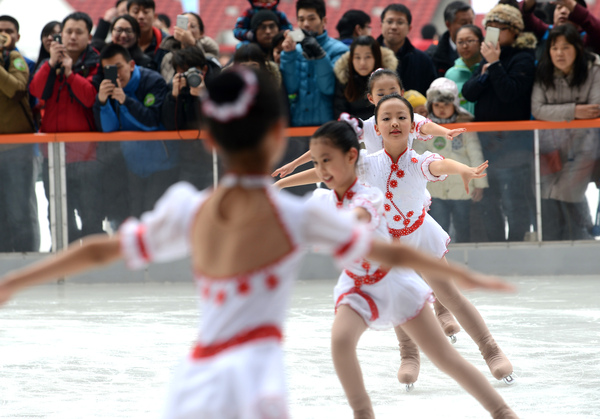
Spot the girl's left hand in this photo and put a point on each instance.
(451, 134)
(490, 52)
(473, 173)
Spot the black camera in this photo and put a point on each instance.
(57, 38)
(193, 77)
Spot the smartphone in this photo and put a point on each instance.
(297, 35)
(492, 35)
(110, 73)
(182, 22)
(57, 38)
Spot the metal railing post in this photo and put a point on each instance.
(57, 195)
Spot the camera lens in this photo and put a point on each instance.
(193, 77)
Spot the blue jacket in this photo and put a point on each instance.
(141, 111)
(311, 83)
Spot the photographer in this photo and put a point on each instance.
(132, 102)
(181, 111)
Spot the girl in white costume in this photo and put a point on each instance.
(384, 82)
(402, 175)
(369, 294)
(235, 369)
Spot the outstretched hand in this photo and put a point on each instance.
(475, 280)
(284, 170)
(473, 173)
(6, 292)
(453, 133)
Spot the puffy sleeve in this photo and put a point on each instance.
(372, 202)
(162, 235)
(336, 232)
(425, 159)
(419, 122)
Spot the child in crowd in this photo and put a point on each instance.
(450, 204)
(418, 102)
(236, 366)
(402, 175)
(369, 294)
(243, 31)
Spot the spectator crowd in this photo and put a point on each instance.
(135, 71)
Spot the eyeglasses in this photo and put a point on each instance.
(501, 29)
(126, 31)
(467, 42)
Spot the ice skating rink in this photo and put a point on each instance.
(107, 351)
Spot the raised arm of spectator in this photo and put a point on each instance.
(289, 65)
(13, 82)
(588, 22)
(532, 22)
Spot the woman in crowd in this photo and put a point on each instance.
(567, 87)
(50, 29)
(250, 55)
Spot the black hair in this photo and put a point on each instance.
(246, 132)
(475, 29)
(164, 19)
(135, 26)
(395, 96)
(79, 16)
(453, 8)
(189, 57)
(379, 73)
(199, 19)
(6, 18)
(340, 133)
(119, 2)
(250, 52)
(398, 8)
(428, 31)
(318, 5)
(349, 20)
(278, 39)
(146, 4)
(545, 69)
(354, 88)
(111, 50)
(46, 30)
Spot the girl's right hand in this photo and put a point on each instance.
(284, 170)
(473, 173)
(587, 111)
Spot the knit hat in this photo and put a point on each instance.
(443, 90)
(263, 16)
(415, 98)
(504, 13)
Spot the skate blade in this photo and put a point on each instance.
(410, 387)
(452, 339)
(510, 379)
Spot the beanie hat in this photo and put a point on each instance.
(415, 98)
(443, 90)
(263, 16)
(504, 13)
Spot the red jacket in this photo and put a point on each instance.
(69, 102)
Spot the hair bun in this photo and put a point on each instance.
(353, 122)
(224, 110)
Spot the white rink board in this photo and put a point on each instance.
(107, 351)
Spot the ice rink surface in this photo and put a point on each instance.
(107, 351)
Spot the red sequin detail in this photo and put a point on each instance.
(406, 222)
(414, 160)
(387, 207)
(221, 296)
(350, 195)
(410, 214)
(394, 183)
(366, 265)
(396, 218)
(400, 174)
(394, 167)
(397, 233)
(339, 204)
(368, 279)
(272, 281)
(206, 292)
(389, 195)
(243, 286)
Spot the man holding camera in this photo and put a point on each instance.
(132, 101)
(19, 230)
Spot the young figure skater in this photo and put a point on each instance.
(402, 175)
(369, 294)
(235, 369)
(383, 82)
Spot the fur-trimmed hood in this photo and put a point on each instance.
(525, 40)
(388, 60)
(273, 69)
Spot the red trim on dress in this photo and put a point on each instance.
(261, 332)
(368, 299)
(344, 248)
(368, 279)
(339, 200)
(139, 235)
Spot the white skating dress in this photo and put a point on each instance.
(406, 199)
(374, 142)
(235, 369)
(384, 298)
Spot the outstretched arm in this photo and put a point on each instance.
(452, 167)
(94, 251)
(431, 128)
(285, 170)
(398, 254)
(303, 178)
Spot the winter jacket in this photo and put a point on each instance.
(577, 147)
(360, 108)
(141, 111)
(15, 113)
(444, 55)
(154, 51)
(459, 74)
(242, 30)
(503, 93)
(207, 45)
(415, 68)
(311, 83)
(69, 101)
